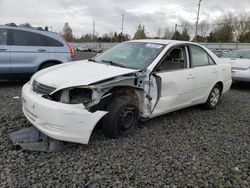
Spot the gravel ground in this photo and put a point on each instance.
(192, 147)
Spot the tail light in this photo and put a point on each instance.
(72, 53)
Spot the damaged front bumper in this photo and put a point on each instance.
(66, 122)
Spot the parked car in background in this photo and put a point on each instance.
(220, 53)
(82, 49)
(97, 50)
(134, 80)
(24, 51)
(240, 62)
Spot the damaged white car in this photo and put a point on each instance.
(132, 81)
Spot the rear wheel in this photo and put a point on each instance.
(122, 117)
(214, 97)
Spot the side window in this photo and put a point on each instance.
(176, 59)
(24, 38)
(199, 57)
(52, 42)
(3, 36)
(211, 61)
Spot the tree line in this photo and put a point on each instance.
(107, 37)
(228, 28)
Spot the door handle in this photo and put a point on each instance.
(41, 50)
(3, 49)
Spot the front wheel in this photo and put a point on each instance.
(214, 97)
(122, 117)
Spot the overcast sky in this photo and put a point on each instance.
(107, 13)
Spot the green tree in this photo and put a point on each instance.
(184, 35)
(140, 33)
(67, 32)
(211, 37)
(177, 35)
(46, 28)
(115, 37)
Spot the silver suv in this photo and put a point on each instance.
(25, 51)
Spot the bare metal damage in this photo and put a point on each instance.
(138, 85)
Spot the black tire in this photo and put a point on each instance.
(122, 117)
(214, 97)
(46, 65)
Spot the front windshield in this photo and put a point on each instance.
(244, 54)
(134, 55)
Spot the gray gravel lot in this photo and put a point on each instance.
(192, 147)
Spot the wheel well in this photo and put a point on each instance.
(221, 85)
(127, 91)
(118, 92)
(47, 62)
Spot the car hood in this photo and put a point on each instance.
(78, 73)
(242, 63)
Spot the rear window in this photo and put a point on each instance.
(24, 38)
(52, 42)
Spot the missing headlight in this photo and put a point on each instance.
(80, 95)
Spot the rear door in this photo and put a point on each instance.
(28, 51)
(4, 52)
(205, 70)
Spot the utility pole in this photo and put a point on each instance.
(197, 21)
(122, 27)
(93, 30)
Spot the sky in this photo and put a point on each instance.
(107, 14)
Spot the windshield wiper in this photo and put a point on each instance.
(112, 63)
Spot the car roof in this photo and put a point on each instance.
(28, 29)
(54, 35)
(162, 41)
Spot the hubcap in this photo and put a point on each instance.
(215, 96)
(126, 119)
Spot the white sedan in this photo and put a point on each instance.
(134, 80)
(240, 62)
